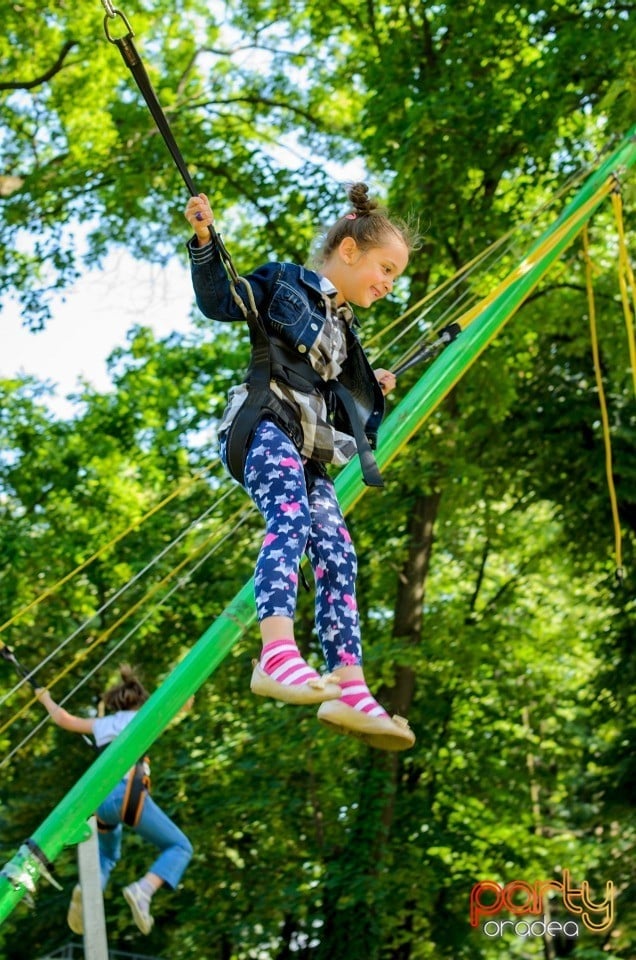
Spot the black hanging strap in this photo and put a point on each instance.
(135, 64)
(133, 61)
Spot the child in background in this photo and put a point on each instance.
(323, 404)
(128, 802)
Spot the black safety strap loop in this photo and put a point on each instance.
(137, 786)
(370, 472)
(135, 64)
(260, 404)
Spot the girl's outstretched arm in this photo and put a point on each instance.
(60, 716)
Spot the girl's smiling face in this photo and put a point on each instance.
(364, 276)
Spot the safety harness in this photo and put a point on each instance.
(137, 788)
(273, 359)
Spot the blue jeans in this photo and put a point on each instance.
(155, 826)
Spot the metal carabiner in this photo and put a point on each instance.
(112, 12)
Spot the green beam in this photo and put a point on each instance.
(67, 822)
(441, 376)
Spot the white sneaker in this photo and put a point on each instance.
(75, 917)
(139, 904)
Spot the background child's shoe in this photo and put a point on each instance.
(383, 733)
(139, 905)
(75, 917)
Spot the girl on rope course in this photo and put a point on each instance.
(318, 402)
(129, 803)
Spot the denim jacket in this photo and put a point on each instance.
(292, 307)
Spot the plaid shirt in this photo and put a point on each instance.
(321, 441)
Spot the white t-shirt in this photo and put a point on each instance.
(105, 729)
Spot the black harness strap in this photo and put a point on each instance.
(259, 404)
(135, 64)
(370, 472)
(296, 371)
(137, 787)
(272, 359)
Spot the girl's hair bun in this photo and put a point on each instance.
(360, 200)
(130, 694)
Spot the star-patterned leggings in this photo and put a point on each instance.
(298, 520)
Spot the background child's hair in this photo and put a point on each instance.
(130, 694)
(368, 223)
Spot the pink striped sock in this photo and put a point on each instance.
(281, 660)
(356, 694)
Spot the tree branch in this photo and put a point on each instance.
(38, 81)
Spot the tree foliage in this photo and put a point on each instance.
(491, 611)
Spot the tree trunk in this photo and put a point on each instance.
(351, 919)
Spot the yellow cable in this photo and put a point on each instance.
(625, 274)
(544, 247)
(603, 404)
(80, 657)
(120, 536)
